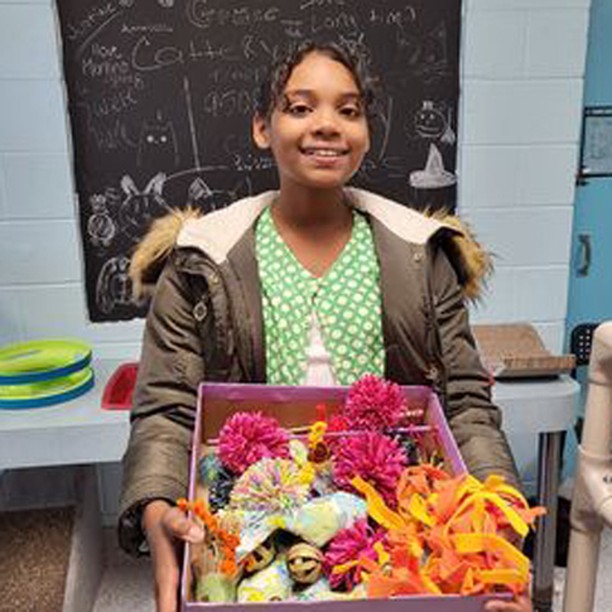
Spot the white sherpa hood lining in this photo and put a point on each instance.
(216, 233)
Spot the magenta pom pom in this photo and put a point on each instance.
(351, 544)
(375, 457)
(248, 437)
(374, 404)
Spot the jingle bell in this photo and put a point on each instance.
(305, 563)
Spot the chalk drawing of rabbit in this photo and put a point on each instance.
(139, 208)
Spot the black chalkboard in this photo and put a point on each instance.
(160, 97)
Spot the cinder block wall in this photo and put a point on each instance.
(523, 68)
(522, 71)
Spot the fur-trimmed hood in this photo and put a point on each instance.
(216, 233)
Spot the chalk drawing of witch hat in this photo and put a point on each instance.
(433, 176)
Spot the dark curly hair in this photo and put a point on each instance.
(272, 87)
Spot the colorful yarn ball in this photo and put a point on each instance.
(220, 489)
(378, 459)
(270, 486)
(374, 404)
(351, 544)
(209, 467)
(248, 437)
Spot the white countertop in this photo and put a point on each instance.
(79, 431)
(538, 405)
(73, 432)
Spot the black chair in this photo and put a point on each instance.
(581, 342)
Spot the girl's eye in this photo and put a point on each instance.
(352, 112)
(298, 109)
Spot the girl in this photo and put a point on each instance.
(314, 284)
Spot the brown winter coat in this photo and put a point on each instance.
(205, 324)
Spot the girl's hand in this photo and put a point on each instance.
(522, 603)
(166, 526)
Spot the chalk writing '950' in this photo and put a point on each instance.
(230, 102)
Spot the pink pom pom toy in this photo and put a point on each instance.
(248, 437)
(375, 457)
(351, 544)
(374, 404)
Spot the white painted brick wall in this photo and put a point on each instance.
(522, 82)
(526, 111)
(37, 185)
(556, 43)
(35, 54)
(522, 68)
(510, 175)
(38, 253)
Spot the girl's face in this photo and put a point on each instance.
(318, 133)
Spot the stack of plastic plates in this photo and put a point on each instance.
(44, 372)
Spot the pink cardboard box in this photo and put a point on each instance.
(295, 407)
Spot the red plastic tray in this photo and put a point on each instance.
(119, 389)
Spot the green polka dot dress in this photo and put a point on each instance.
(346, 302)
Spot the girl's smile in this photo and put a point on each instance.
(325, 158)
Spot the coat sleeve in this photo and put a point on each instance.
(155, 465)
(474, 420)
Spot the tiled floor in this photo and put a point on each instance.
(126, 584)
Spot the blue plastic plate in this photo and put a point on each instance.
(41, 360)
(47, 392)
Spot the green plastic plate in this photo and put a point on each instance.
(47, 392)
(41, 360)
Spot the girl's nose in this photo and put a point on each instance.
(325, 123)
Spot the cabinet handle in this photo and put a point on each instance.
(585, 254)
